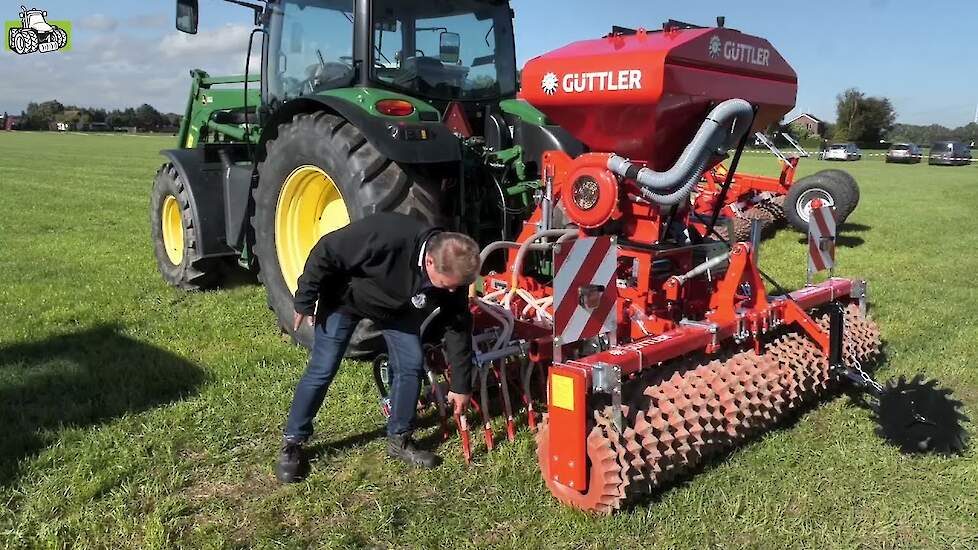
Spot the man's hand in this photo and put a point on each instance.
(299, 319)
(459, 401)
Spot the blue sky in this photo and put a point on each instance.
(923, 60)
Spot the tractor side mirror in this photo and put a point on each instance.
(187, 16)
(449, 47)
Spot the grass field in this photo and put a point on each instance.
(133, 415)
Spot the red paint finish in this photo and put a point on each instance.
(568, 426)
(644, 96)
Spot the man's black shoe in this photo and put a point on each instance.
(402, 447)
(293, 466)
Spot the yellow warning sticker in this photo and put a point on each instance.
(562, 392)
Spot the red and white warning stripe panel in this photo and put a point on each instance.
(821, 237)
(584, 288)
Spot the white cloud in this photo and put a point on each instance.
(121, 69)
(97, 22)
(150, 21)
(227, 40)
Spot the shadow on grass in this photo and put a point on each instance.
(854, 228)
(845, 241)
(423, 423)
(80, 379)
(235, 276)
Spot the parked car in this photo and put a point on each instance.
(949, 153)
(904, 152)
(843, 151)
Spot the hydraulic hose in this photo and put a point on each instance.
(722, 129)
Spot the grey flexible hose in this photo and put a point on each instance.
(721, 130)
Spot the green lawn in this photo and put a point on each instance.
(133, 415)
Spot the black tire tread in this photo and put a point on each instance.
(193, 273)
(844, 195)
(368, 181)
(844, 178)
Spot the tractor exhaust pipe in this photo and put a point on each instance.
(722, 130)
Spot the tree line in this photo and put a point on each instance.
(46, 115)
(871, 121)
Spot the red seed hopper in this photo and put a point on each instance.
(643, 95)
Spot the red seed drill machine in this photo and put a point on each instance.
(659, 341)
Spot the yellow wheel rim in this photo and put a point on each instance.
(309, 206)
(172, 222)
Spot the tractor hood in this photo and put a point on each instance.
(644, 95)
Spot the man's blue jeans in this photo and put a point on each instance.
(332, 336)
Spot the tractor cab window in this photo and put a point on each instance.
(445, 49)
(315, 41)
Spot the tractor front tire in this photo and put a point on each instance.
(319, 174)
(838, 194)
(175, 237)
(25, 41)
(60, 36)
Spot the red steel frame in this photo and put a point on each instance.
(743, 188)
(651, 307)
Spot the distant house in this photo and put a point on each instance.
(8, 122)
(814, 126)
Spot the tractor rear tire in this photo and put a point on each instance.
(176, 252)
(844, 179)
(25, 41)
(366, 181)
(842, 196)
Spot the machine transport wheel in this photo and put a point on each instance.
(844, 178)
(174, 237)
(319, 174)
(837, 193)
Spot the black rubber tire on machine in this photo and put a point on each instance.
(842, 193)
(177, 256)
(367, 182)
(845, 179)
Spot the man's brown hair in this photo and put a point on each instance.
(455, 254)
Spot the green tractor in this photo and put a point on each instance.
(360, 106)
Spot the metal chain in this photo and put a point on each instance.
(867, 379)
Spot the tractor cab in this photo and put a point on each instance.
(454, 50)
(441, 51)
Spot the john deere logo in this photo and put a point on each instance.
(34, 33)
(549, 83)
(715, 46)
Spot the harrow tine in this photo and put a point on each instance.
(484, 405)
(507, 405)
(463, 430)
(526, 375)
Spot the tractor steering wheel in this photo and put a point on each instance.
(348, 59)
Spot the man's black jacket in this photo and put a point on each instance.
(370, 269)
